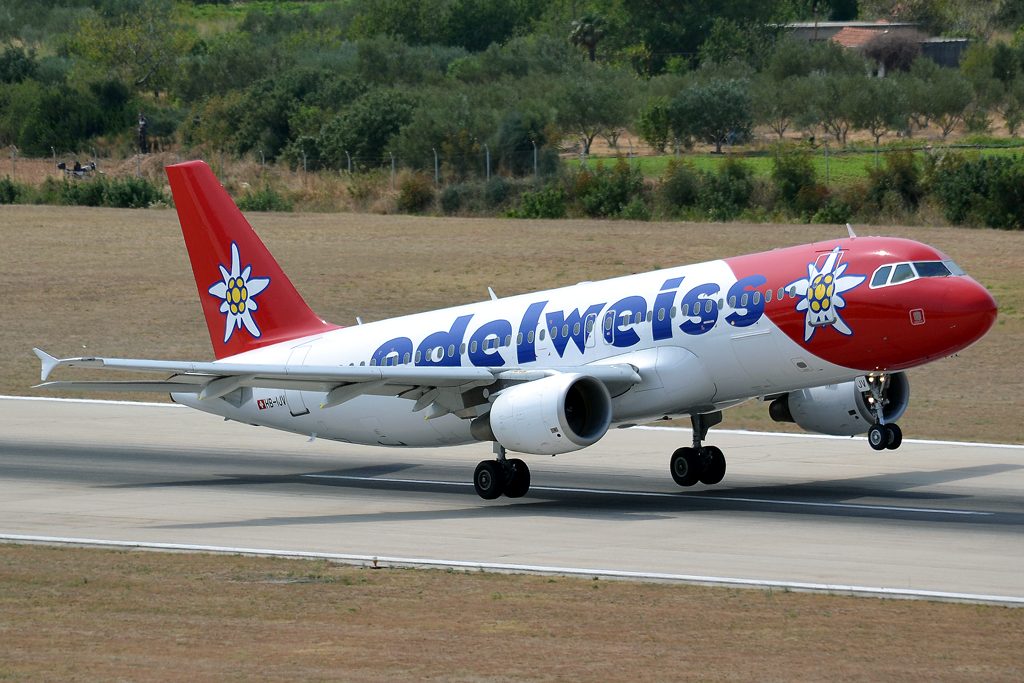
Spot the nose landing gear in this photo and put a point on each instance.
(502, 475)
(705, 464)
(883, 436)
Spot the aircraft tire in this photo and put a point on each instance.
(519, 484)
(714, 471)
(489, 479)
(895, 436)
(686, 466)
(878, 437)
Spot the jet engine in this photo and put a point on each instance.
(844, 409)
(557, 414)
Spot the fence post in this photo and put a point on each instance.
(488, 150)
(95, 160)
(138, 163)
(54, 157)
(263, 162)
(303, 164)
(876, 154)
(826, 163)
(349, 162)
(14, 161)
(392, 169)
(179, 156)
(437, 176)
(222, 166)
(534, 158)
(631, 155)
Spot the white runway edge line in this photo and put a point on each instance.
(906, 593)
(740, 432)
(658, 494)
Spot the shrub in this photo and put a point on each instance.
(604, 192)
(10, 191)
(836, 211)
(680, 186)
(725, 194)
(546, 203)
(636, 210)
(792, 173)
(809, 200)
(496, 191)
(264, 200)
(987, 190)
(415, 195)
(124, 193)
(455, 197)
(132, 193)
(900, 179)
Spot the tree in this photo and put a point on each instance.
(594, 100)
(877, 105)
(894, 51)
(830, 102)
(365, 130)
(139, 47)
(16, 65)
(950, 95)
(654, 122)
(776, 105)
(714, 112)
(586, 32)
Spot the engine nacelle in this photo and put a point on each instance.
(557, 414)
(843, 409)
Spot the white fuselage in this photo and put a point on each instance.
(688, 362)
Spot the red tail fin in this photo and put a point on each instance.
(247, 299)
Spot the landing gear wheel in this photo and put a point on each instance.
(686, 466)
(878, 437)
(714, 470)
(895, 436)
(519, 483)
(489, 479)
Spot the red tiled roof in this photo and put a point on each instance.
(854, 37)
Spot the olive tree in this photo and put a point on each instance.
(713, 112)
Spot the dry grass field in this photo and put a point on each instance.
(80, 281)
(95, 615)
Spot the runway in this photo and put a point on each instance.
(932, 516)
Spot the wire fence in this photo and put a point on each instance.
(481, 164)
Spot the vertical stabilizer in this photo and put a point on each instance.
(247, 299)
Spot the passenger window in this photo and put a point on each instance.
(661, 314)
(508, 340)
(732, 302)
(881, 276)
(650, 316)
(554, 333)
(743, 301)
(576, 329)
(779, 297)
(565, 330)
(902, 273)
(639, 317)
(931, 269)
(451, 350)
(608, 323)
(542, 335)
(373, 361)
(707, 306)
(418, 356)
(685, 310)
(462, 349)
(768, 296)
(529, 337)
(405, 360)
(519, 339)
(672, 312)
(757, 298)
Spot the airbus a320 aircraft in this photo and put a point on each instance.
(822, 331)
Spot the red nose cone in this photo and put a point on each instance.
(972, 309)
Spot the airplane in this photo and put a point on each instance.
(823, 333)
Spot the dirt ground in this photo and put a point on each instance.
(81, 281)
(96, 615)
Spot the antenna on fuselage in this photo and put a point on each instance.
(359, 320)
(494, 297)
(853, 235)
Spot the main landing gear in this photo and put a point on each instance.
(705, 464)
(495, 477)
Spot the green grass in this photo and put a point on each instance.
(845, 166)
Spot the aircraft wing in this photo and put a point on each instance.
(425, 385)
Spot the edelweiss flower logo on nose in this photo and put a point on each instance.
(821, 294)
(237, 293)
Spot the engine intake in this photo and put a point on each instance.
(557, 414)
(843, 409)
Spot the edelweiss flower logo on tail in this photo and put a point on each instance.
(237, 293)
(821, 295)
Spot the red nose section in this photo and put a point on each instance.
(247, 299)
(971, 311)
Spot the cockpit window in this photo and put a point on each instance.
(953, 267)
(931, 269)
(881, 276)
(903, 272)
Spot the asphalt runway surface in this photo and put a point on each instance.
(931, 516)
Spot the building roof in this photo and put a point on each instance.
(851, 37)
